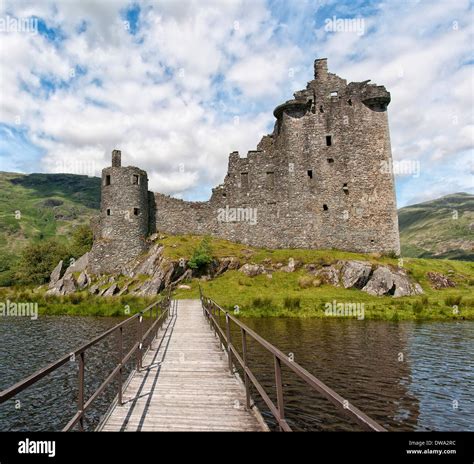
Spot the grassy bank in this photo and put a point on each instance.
(77, 304)
(282, 295)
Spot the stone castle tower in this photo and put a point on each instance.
(323, 179)
(124, 222)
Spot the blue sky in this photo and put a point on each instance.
(177, 85)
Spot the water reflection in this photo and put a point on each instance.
(406, 376)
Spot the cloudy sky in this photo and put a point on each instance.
(178, 84)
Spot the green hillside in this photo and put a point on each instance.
(442, 228)
(40, 206)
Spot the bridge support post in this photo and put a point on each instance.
(246, 377)
(139, 341)
(229, 343)
(120, 376)
(80, 395)
(279, 389)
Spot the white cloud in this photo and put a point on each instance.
(154, 94)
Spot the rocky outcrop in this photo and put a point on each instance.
(153, 272)
(328, 275)
(78, 265)
(55, 275)
(439, 281)
(355, 274)
(252, 270)
(386, 281)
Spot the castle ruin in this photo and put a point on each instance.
(323, 179)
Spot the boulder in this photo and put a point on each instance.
(151, 287)
(226, 264)
(252, 270)
(83, 280)
(291, 266)
(79, 265)
(385, 281)
(355, 274)
(55, 275)
(112, 290)
(150, 264)
(69, 285)
(328, 275)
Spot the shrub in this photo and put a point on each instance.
(262, 302)
(202, 255)
(305, 282)
(37, 260)
(76, 298)
(291, 303)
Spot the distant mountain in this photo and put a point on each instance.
(442, 228)
(38, 206)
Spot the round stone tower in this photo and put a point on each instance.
(124, 217)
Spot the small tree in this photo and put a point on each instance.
(37, 260)
(202, 255)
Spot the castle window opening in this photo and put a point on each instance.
(349, 102)
(270, 180)
(244, 180)
(107, 179)
(345, 188)
(109, 212)
(136, 211)
(334, 93)
(310, 173)
(330, 160)
(328, 140)
(135, 179)
(325, 207)
(321, 109)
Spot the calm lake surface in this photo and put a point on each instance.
(407, 376)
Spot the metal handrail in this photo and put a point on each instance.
(213, 311)
(138, 348)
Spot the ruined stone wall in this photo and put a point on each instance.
(322, 179)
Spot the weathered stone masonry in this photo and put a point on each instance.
(322, 179)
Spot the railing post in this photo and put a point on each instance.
(246, 377)
(139, 341)
(229, 342)
(120, 376)
(279, 389)
(80, 396)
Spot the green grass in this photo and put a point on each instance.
(261, 296)
(281, 296)
(77, 304)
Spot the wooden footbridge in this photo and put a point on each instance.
(186, 375)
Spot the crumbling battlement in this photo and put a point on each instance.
(322, 179)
